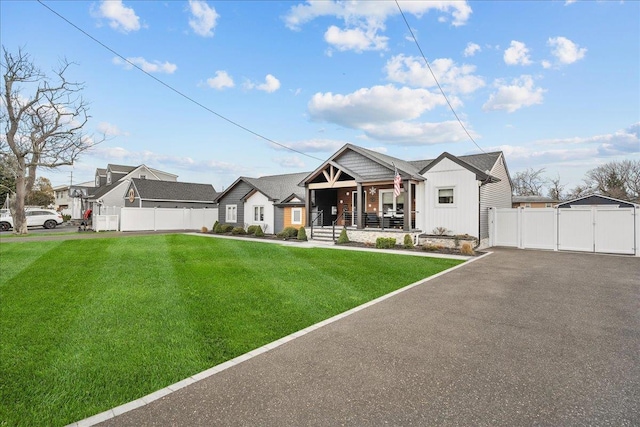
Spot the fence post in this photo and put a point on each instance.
(520, 229)
(492, 225)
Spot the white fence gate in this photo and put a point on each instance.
(589, 229)
(157, 219)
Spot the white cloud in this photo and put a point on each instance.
(270, 85)
(566, 51)
(356, 39)
(149, 67)
(121, 18)
(413, 71)
(517, 54)
(511, 97)
(289, 162)
(472, 49)
(109, 129)
(363, 21)
(313, 145)
(416, 134)
(546, 64)
(203, 19)
(220, 81)
(574, 154)
(378, 104)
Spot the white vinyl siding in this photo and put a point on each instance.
(461, 216)
(260, 205)
(496, 195)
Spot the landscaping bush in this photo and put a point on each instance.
(440, 231)
(343, 237)
(259, 232)
(429, 247)
(204, 230)
(217, 228)
(408, 242)
(238, 230)
(215, 224)
(302, 234)
(252, 229)
(385, 242)
(66, 218)
(288, 233)
(226, 228)
(467, 249)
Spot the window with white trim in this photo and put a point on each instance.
(97, 181)
(389, 204)
(108, 178)
(232, 213)
(445, 196)
(258, 213)
(296, 216)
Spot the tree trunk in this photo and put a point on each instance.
(16, 205)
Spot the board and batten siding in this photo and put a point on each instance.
(259, 199)
(234, 196)
(495, 195)
(462, 216)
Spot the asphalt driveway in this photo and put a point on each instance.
(517, 338)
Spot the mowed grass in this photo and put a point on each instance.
(87, 325)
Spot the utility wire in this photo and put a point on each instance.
(436, 80)
(171, 88)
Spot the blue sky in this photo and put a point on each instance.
(553, 84)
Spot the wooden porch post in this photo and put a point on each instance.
(307, 205)
(360, 206)
(407, 205)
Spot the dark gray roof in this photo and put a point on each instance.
(595, 199)
(120, 169)
(101, 172)
(477, 163)
(532, 199)
(149, 189)
(279, 187)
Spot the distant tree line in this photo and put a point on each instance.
(617, 179)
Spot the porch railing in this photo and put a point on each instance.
(319, 215)
(377, 219)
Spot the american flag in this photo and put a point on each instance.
(397, 181)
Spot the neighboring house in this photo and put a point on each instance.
(147, 193)
(355, 188)
(113, 182)
(533, 202)
(595, 200)
(67, 199)
(273, 202)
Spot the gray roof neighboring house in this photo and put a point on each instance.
(149, 189)
(276, 188)
(532, 199)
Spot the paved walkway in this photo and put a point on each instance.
(513, 338)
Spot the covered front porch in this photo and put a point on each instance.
(336, 198)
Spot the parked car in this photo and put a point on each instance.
(46, 218)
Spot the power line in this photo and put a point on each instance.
(436, 80)
(171, 88)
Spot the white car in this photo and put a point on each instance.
(46, 218)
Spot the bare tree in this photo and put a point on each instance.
(556, 188)
(617, 179)
(528, 182)
(41, 131)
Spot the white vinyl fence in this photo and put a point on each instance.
(599, 229)
(156, 219)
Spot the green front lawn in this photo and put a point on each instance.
(87, 325)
